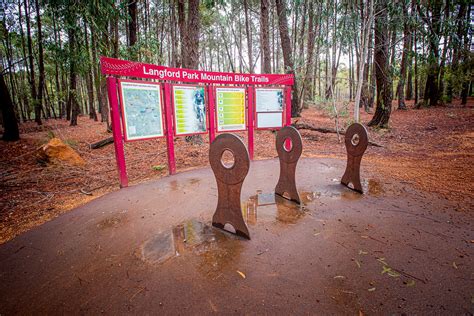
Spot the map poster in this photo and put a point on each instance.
(269, 100)
(189, 110)
(230, 109)
(141, 107)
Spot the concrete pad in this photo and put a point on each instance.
(150, 249)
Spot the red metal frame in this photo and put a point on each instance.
(174, 108)
(117, 131)
(250, 120)
(169, 130)
(215, 105)
(168, 117)
(124, 121)
(211, 116)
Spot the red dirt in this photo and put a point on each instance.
(431, 149)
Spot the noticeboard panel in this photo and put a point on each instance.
(189, 110)
(142, 110)
(230, 109)
(269, 100)
(270, 120)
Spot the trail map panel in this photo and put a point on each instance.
(269, 105)
(230, 104)
(269, 100)
(142, 111)
(189, 110)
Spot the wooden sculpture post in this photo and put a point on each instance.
(229, 182)
(356, 140)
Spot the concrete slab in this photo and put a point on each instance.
(150, 249)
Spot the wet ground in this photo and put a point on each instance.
(150, 249)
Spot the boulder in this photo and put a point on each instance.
(56, 149)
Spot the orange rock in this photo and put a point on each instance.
(57, 149)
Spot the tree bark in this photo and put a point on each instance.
(192, 36)
(10, 123)
(403, 65)
(287, 53)
(32, 80)
(382, 72)
(249, 36)
(266, 61)
(72, 100)
(132, 25)
(89, 77)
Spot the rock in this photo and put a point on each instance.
(56, 149)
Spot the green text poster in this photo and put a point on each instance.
(230, 109)
(189, 109)
(141, 104)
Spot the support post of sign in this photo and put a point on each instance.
(288, 105)
(250, 119)
(169, 130)
(117, 131)
(211, 111)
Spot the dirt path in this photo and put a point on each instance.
(431, 149)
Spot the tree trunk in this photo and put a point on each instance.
(403, 66)
(192, 36)
(32, 80)
(287, 53)
(308, 78)
(89, 78)
(381, 63)
(266, 61)
(73, 105)
(249, 36)
(132, 26)
(10, 123)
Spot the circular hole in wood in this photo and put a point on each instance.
(227, 159)
(355, 139)
(288, 144)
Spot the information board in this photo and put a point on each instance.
(269, 100)
(269, 107)
(269, 119)
(230, 103)
(142, 111)
(189, 110)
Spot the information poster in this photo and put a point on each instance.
(269, 108)
(269, 100)
(230, 103)
(269, 120)
(189, 110)
(141, 107)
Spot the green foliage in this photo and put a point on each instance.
(158, 167)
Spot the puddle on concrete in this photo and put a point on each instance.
(268, 207)
(174, 185)
(371, 187)
(111, 222)
(214, 246)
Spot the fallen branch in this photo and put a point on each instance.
(101, 143)
(326, 131)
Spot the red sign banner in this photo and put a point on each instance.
(119, 67)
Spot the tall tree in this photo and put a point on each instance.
(32, 79)
(248, 33)
(10, 123)
(403, 65)
(381, 63)
(287, 53)
(265, 36)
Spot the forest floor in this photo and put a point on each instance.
(431, 149)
